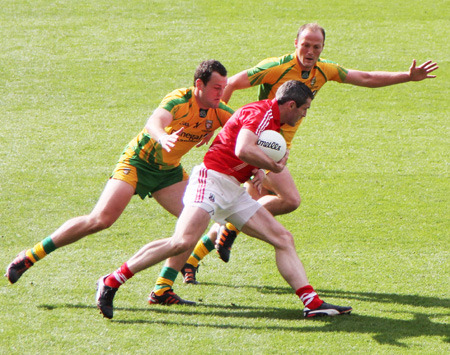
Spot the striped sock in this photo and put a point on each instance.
(41, 250)
(203, 248)
(119, 277)
(309, 297)
(165, 280)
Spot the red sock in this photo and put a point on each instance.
(119, 276)
(309, 297)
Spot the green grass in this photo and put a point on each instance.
(79, 80)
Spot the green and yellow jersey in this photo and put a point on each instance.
(271, 73)
(186, 113)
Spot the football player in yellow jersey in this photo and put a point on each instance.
(280, 195)
(150, 164)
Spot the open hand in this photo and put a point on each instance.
(422, 71)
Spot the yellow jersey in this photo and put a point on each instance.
(197, 123)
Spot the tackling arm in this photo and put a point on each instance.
(156, 125)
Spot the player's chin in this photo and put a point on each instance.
(309, 62)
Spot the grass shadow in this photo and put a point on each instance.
(385, 330)
(412, 300)
(262, 289)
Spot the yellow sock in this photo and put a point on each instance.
(203, 248)
(41, 250)
(233, 228)
(162, 285)
(165, 280)
(193, 260)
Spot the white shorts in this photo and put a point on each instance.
(222, 196)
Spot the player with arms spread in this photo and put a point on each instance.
(280, 195)
(215, 191)
(151, 162)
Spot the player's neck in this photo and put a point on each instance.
(199, 101)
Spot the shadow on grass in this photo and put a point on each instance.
(385, 330)
(412, 300)
(216, 310)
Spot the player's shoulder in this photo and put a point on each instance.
(276, 61)
(182, 93)
(224, 107)
(331, 70)
(322, 62)
(257, 106)
(177, 97)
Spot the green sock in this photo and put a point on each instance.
(41, 249)
(165, 280)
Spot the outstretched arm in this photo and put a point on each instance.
(236, 82)
(375, 79)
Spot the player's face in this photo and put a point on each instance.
(209, 95)
(308, 46)
(297, 113)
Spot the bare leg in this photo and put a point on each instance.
(265, 227)
(286, 198)
(171, 197)
(112, 202)
(192, 223)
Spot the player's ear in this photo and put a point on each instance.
(199, 84)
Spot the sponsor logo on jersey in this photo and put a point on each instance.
(191, 137)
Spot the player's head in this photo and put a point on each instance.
(210, 80)
(312, 27)
(309, 44)
(205, 70)
(294, 99)
(293, 90)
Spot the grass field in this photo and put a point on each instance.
(78, 81)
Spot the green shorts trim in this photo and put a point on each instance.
(147, 179)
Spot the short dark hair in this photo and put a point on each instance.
(313, 27)
(206, 68)
(293, 90)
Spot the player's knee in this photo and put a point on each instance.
(284, 240)
(180, 245)
(98, 223)
(291, 202)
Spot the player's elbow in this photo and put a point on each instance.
(242, 152)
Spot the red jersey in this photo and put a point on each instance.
(256, 117)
